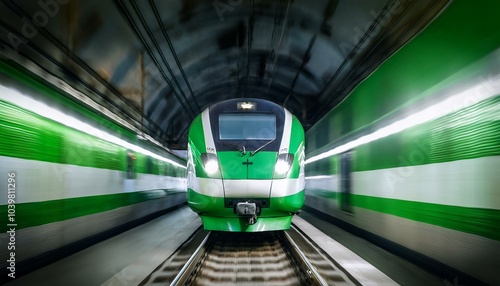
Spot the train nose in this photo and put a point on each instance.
(259, 166)
(247, 176)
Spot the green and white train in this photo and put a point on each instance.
(411, 158)
(66, 186)
(246, 166)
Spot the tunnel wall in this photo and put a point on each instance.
(432, 190)
(71, 186)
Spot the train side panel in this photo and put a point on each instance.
(430, 191)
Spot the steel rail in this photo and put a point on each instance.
(302, 259)
(188, 268)
(272, 258)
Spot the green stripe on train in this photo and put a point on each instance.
(40, 87)
(27, 135)
(478, 221)
(39, 213)
(470, 133)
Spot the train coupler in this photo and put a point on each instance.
(247, 209)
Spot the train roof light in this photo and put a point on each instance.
(246, 105)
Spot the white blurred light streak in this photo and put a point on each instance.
(319, 177)
(41, 109)
(484, 90)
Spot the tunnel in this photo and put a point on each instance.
(104, 106)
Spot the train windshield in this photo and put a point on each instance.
(247, 126)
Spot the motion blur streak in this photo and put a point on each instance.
(41, 109)
(486, 89)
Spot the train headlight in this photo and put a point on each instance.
(283, 165)
(210, 163)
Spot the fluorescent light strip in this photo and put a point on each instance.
(82, 98)
(41, 109)
(484, 90)
(320, 177)
(68, 89)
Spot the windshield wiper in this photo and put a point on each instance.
(261, 147)
(241, 148)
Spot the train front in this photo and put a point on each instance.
(246, 166)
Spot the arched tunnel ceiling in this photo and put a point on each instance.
(160, 63)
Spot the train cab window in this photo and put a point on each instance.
(345, 181)
(247, 126)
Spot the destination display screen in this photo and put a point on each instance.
(247, 126)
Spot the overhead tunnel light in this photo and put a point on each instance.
(41, 109)
(480, 92)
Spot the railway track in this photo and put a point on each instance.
(266, 258)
